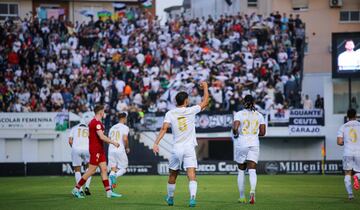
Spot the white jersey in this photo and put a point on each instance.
(182, 122)
(117, 133)
(80, 136)
(249, 127)
(350, 132)
(349, 61)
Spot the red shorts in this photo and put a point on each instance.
(96, 158)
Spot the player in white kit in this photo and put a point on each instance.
(248, 125)
(118, 160)
(348, 136)
(79, 142)
(182, 121)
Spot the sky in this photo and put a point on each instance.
(162, 4)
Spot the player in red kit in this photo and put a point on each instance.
(97, 153)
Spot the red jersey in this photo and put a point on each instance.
(95, 143)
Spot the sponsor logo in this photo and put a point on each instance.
(309, 167)
(271, 168)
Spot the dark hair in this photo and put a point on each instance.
(181, 97)
(98, 108)
(249, 103)
(122, 115)
(351, 113)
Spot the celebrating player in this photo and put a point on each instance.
(182, 121)
(118, 160)
(247, 127)
(348, 136)
(97, 153)
(79, 142)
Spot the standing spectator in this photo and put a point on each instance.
(307, 103)
(282, 60)
(319, 102)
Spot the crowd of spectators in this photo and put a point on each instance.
(134, 63)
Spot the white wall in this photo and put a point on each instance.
(53, 146)
(322, 83)
(215, 8)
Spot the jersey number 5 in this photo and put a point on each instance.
(182, 123)
(83, 132)
(353, 135)
(250, 128)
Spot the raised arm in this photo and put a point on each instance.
(106, 139)
(205, 101)
(162, 132)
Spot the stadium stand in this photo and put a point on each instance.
(135, 65)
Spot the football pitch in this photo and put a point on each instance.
(147, 192)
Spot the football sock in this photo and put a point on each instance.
(171, 189)
(193, 189)
(120, 172)
(80, 183)
(112, 173)
(241, 183)
(77, 177)
(106, 185)
(88, 181)
(253, 180)
(347, 181)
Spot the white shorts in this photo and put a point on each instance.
(351, 163)
(118, 160)
(79, 156)
(242, 154)
(183, 155)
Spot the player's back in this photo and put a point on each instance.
(249, 127)
(350, 132)
(80, 135)
(95, 143)
(117, 133)
(182, 122)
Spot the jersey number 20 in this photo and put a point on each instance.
(115, 135)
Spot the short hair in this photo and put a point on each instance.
(181, 97)
(351, 113)
(122, 115)
(98, 108)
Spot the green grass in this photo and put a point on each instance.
(147, 192)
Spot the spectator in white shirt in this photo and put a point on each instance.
(282, 60)
(307, 103)
(57, 99)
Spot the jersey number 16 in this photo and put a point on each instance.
(83, 133)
